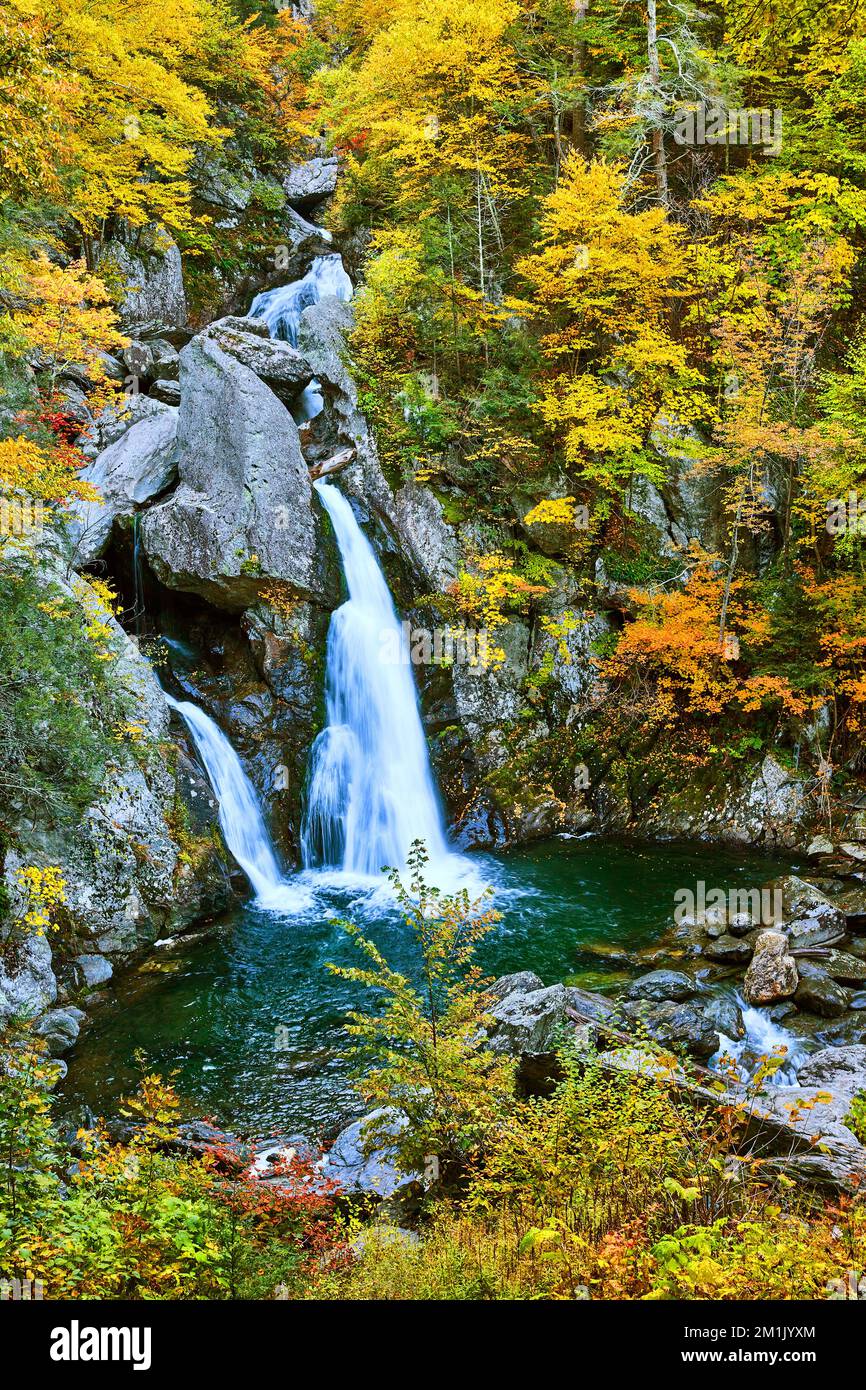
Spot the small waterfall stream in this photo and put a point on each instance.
(240, 812)
(281, 309)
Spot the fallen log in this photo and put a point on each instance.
(332, 465)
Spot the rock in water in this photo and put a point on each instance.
(820, 994)
(772, 973)
(663, 984)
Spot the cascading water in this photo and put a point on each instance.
(370, 789)
(281, 310)
(240, 812)
(762, 1037)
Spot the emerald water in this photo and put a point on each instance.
(251, 1020)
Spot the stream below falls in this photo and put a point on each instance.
(251, 1020)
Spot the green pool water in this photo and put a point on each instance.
(251, 1020)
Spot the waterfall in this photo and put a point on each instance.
(762, 1036)
(281, 310)
(240, 812)
(370, 789)
(282, 307)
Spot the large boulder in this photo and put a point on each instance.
(529, 1022)
(772, 973)
(809, 917)
(365, 1171)
(242, 514)
(307, 184)
(140, 465)
(276, 363)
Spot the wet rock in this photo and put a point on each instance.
(589, 1005)
(725, 1014)
(818, 993)
(841, 966)
(729, 950)
(673, 1025)
(662, 984)
(852, 902)
(772, 973)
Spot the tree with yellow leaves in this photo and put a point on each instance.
(605, 283)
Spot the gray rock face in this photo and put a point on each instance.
(276, 363)
(242, 512)
(662, 984)
(373, 1175)
(151, 269)
(487, 697)
(772, 973)
(307, 184)
(29, 987)
(433, 544)
(139, 466)
(529, 1024)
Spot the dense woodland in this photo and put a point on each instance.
(599, 247)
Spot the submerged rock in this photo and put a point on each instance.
(663, 984)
